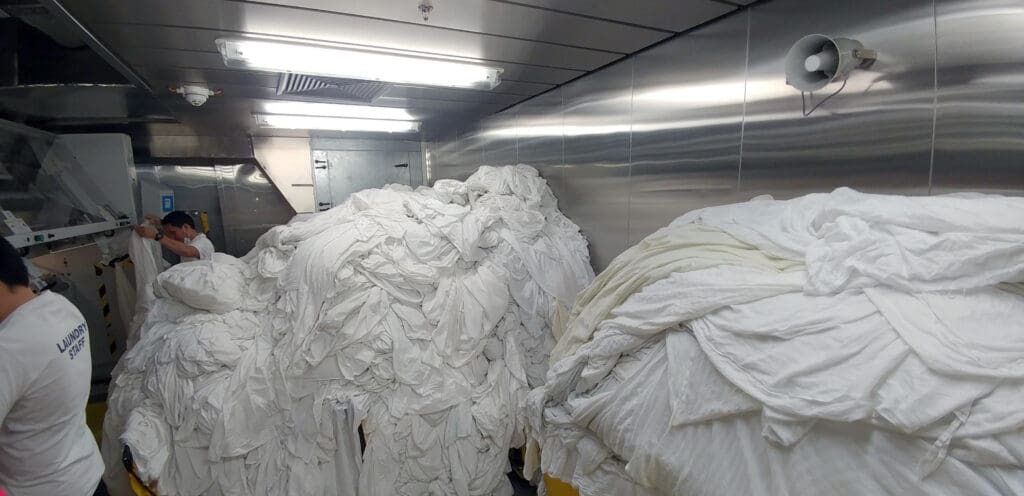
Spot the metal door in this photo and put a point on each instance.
(338, 174)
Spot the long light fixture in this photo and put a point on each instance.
(355, 63)
(287, 121)
(336, 110)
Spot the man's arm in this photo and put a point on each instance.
(179, 248)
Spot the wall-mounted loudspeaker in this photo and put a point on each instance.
(816, 60)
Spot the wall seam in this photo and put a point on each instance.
(743, 114)
(629, 147)
(561, 120)
(935, 95)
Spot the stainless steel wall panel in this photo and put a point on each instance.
(540, 140)
(979, 136)
(876, 135)
(250, 205)
(687, 120)
(499, 136)
(596, 125)
(674, 15)
(471, 154)
(442, 156)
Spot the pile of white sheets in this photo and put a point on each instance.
(429, 312)
(838, 343)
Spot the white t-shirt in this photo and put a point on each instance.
(46, 448)
(201, 243)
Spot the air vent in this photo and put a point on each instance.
(331, 88)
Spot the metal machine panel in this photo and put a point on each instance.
(540, 140)
(596, 125)
(499, 135)
(979, 135)
(876, 135)
(687, 120)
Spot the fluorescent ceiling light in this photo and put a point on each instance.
(355, 63)
(284, 121)
(337, 110)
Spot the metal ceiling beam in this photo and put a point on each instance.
(61, 13)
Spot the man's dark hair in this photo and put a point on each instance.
(12, 267)
(178, 218)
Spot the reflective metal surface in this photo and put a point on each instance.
(195, 188)
(239, 200)
(289, 163)
(188, 146)
(687, 120)
(345, 166)
(539, 44)
(596, 177)
(52, 106)
(119, 21)
(543, 150)
(64, 16)
(471, 152)
(500, 19)
(675, 15)
(875, 135)
(499, 135)
(250, 206)
(979, 135)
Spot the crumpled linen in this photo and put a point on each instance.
(882, 359)
(428, 312)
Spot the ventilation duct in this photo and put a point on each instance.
(330, 88)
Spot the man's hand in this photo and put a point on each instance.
(145, 232)
(152, 219)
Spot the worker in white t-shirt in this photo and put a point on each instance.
(46, 448)
(179, 236)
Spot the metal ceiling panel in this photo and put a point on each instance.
(219, 18)
(499, 18)
(258, 87)
(212, 77)
(669, 15)
(171, 56)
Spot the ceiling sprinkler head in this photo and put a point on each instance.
(426, 6)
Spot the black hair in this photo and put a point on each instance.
(12, 268)
(178, 218)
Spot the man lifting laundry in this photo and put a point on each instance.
(179, 235)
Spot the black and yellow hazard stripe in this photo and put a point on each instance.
(108, 318)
